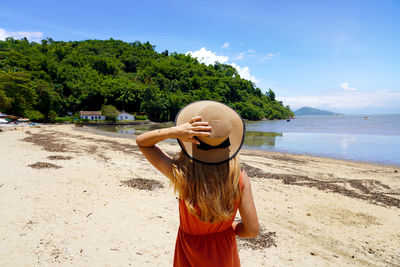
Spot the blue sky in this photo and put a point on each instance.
(337, 55)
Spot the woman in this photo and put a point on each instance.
(211, 186)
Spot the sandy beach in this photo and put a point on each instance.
(71, 197)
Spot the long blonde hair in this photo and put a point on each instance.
(214, 189)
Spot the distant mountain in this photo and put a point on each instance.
(312, 111)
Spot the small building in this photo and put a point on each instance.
(8, 117)
(92, 115)
(124, 116)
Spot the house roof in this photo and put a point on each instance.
(90, 113)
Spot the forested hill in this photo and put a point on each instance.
(44, 80)
(304, 111)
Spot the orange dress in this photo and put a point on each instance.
(205, 244)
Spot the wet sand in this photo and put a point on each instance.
(72, 197)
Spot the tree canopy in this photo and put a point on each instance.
(51, 78)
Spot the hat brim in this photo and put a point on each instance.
(217, 155)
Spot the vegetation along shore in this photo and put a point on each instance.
(51, 79)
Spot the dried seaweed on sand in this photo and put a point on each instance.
(143, 184)
(265, 239)
(44, 165)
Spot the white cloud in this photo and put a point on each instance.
(207, 57)
(249, 53)
(240, 56)
(225, 45)
(349, 101)
(245, 73)
(269, 56)
(31, 36)
(345, 86)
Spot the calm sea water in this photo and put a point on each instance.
(375, 139)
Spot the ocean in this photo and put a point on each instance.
(369, 138)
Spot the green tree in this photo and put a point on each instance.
(110, 112)
(155, 104)
(5, 101)
(270, 95)
(17, 87)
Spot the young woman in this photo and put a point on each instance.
(211, 186)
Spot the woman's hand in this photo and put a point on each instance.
(185, 132)
(195, 127)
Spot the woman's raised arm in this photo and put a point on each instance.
(158, 158)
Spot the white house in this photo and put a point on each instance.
(92, 115)
(124, 116)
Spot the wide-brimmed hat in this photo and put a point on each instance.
(227, 132)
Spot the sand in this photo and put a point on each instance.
(69, 196)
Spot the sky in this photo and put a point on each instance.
(341, 56)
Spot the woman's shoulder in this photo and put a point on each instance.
(244, 178)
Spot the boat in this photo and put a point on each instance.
(34, 125)
(366, 117)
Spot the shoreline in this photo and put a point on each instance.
(73, 197)
(94, 130)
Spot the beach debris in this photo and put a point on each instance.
(284, 158)
(49, 253)
(313, 254)
(55, 141)
(58, 157)
(48, 142)
(365, 189)
(44, 165)
(395, 171)
(265, 239)
(143, 184)
(89, 214)
(29, 225)
(113, 145)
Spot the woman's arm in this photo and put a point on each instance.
(248, 226)
(185, 132)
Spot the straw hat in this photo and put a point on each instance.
(227, 132)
